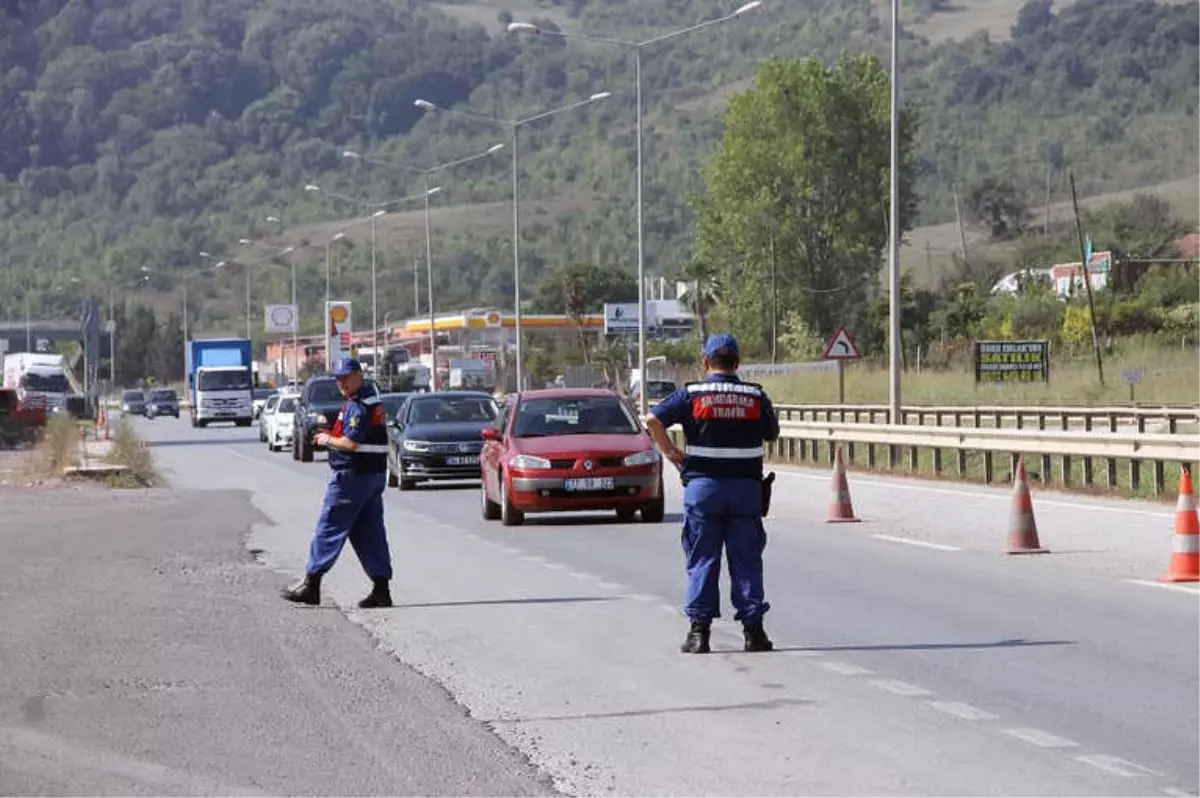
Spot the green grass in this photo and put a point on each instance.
(1168, 377)
(129, 451)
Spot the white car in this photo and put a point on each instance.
(264, 417)
(279, 423)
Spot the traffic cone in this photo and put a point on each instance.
(1185, 561)
(841, 511)
(1022, 529)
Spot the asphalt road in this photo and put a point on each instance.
(144, 652)
(938, 667)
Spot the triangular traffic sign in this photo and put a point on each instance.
(841, 346)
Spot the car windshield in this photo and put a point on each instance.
(287, 405)
(162, 396)
(262, 393)
(133, 396)
(42, 383)
(585, 415)
(392, 402)
(324, 392)
(225, 380)
(659, 389)
(449, 409)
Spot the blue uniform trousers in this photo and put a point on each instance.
(353, 508)
(724, 513)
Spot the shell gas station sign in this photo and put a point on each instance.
(338, 321)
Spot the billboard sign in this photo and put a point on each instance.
(337, 331)
(1012, 361)
(281, 319)
(622, 318)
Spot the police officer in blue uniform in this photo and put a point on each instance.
(725, 422)
(353, 506)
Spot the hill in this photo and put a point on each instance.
(142, 132)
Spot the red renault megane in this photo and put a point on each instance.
(569, 449)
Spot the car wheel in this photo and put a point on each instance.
(202, 423)
(625, 514)
(509, 515)
(491, 510)
(295, 449)
(655, 511)
(306, 452)
(262, 436)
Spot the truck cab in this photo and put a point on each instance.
(221, 381)
(39, 379)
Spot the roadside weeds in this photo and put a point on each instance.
(130, 452)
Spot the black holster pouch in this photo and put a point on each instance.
(767, 484)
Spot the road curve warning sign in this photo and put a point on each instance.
(841, 346)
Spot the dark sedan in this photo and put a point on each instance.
(438, 436)
(162, 402)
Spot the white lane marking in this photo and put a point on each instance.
(1191, 591)
(995, 496)
(668, 608)
(509, 550)
(554, 566)
(960, 710)
(617, 586)
(1041, 738)
(922, 543)
(898, 687)
(534, 559)
(1116, 765)
(581, 575)
(644, 597)
(846, 669)
(1178, 793)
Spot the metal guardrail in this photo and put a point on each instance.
(1040, 417)
(802, 441)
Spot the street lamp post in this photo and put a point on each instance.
(637, 47)
(426, 173)
(894, 351)
(514, 125)
(376, 209)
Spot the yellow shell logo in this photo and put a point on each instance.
(492, 318)
(338, 314)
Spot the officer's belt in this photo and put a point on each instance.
(724, 454)
(372, 448)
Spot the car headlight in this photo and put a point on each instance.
(648, 457)
(528, 461)
(316, 418)
(416, 446)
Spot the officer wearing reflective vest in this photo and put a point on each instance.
(353, 506)
(725, 422)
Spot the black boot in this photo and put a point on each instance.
(756, 637)
(306, 591)
(697, 639)
(380, 595)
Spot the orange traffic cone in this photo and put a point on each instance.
(841, 511)
(1022, 529)
(1185, 561)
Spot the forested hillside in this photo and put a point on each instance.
(137, 133)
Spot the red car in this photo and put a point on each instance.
(569, 449)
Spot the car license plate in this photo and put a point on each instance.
(456, 461)
(589, 483)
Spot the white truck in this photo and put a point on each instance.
(39, 378)
(220, 381)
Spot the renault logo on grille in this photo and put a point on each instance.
(587, 465)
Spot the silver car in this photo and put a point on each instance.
(162, 402)
(133, 403)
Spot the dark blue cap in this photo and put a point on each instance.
(346, 366)
(721, 345)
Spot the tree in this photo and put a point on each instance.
(998, 206)
(803, 165)
(1143, 227)
(169, 350)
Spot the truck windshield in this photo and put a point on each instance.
(45, 383)
(225, 380)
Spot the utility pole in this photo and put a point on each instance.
(1087, 279)
(962, 233)
(1046, 222)
(774, 306)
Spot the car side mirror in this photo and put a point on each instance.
(490, 434)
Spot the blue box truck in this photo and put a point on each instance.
(220, 380)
